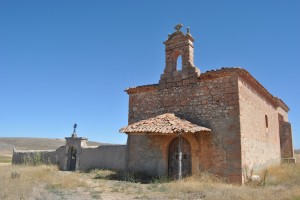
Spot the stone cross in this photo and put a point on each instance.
(178, 27)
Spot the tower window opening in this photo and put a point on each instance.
(179, 63)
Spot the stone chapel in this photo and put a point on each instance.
(223, 120)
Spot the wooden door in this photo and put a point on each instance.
(174, 158)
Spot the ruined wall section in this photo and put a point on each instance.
(212, 103)
(259, 128)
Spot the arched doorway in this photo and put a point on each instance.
(173, 157)
(72, 153)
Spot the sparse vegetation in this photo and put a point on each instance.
(120, 176)
(22, 182)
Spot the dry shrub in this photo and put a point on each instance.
(196, 183)
(102, 173)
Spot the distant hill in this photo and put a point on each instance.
(7, 144)
(297, 151)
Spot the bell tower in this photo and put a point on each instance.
(179, 44)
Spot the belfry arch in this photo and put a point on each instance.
(179, 44)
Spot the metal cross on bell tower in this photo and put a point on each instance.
(74, 131)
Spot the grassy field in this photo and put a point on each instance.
(47, 182)
(5, 159)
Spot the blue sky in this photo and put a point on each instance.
(69, 61)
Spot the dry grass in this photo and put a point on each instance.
(5, 159)
(284, 174)
(297, 156)
(282, 182)
(20, 182)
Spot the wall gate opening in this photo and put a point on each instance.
(72, 153)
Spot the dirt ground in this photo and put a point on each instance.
(47, 182)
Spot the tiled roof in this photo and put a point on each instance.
(163, 124)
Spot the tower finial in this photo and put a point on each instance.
(74, 132)
(178, 27)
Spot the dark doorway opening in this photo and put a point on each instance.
(72, 159)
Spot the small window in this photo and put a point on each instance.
(266, 121)
(179, 63)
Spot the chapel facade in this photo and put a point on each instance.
(223, 121)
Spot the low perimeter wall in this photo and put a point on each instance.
(34, 157)
(102, 157)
